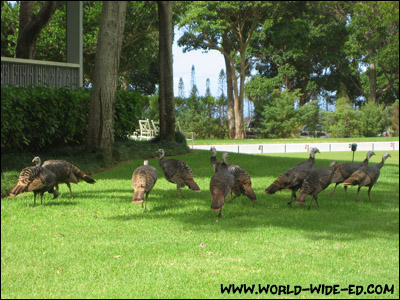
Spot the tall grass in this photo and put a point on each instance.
(100, 245)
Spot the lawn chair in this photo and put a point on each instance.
(156, 127)
(146, 132)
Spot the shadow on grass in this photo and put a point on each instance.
(54, 202)
(51, 202)
(338, 218)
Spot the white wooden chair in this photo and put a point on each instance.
(156, 127)
(146, 132)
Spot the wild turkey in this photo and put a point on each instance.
(65, 172)
(213, 158)
(221, 185)
(292, 179)
(344, 171)
(317, 180)
(143, 180)
(178, 172)
(366, 176)
(37, 180)
(242, 183)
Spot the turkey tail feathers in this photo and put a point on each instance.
(192, 185)
(79, 174)
(18, 189)
(88, 179)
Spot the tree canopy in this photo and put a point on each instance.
(313, 51)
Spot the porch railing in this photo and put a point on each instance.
(23, 72)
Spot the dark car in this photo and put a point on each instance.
(318, 132)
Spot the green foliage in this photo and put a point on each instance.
(374, 39)
(309, 115)
(344, 121)
(395, 118)
(9, 25)
(198, 115)
(297, 45)
(180, 140)
(52, 42)
(280, 117)
(374, 119)
(36, 118)
(152, 111)
(128, 111)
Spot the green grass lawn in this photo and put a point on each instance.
(100, 245)
(295, 140)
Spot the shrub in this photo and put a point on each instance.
(374, 119)
(35, 117)
(280, 116)
(344, 121)
(309, 115)
(198, 115)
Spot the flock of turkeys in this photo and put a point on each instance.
(227, 179)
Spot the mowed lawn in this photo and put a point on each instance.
(101, 245)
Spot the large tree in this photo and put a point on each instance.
(227, 27)
(30, 26)
(166, 87)
(300, 49)
(105, 75)
(374, 44)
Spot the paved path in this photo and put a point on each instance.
(300, 147)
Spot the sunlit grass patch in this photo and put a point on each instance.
(101, 245)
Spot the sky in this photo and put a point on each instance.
(207, 65)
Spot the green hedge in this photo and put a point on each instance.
(34, 118)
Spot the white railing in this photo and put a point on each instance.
(23, 72)
(302, 147)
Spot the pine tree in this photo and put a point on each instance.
(181, 89)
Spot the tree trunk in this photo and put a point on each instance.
(372, 79)
(166, 88)
(230, 100)
(30, 26)
(239, 111)
(238, 104)
(105, 75)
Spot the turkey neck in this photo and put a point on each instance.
(380, 165)
(214, 152)
(38, 163)
(161, 162)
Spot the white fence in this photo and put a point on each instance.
(301, 147)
